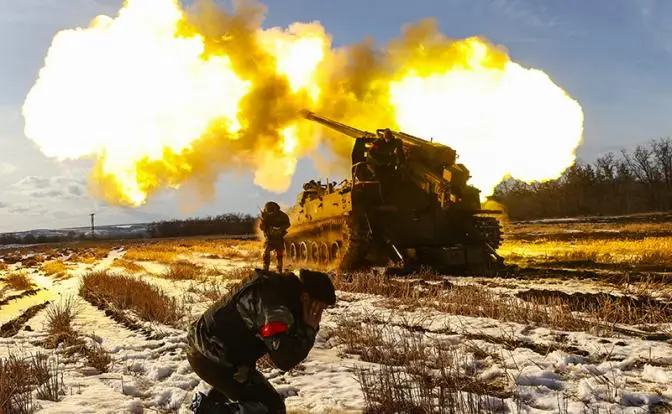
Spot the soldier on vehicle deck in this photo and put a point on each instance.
(388, 150)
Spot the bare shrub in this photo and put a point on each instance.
(127, 293)
(59, 316)
(97, 357)
(50, 378)
(16, 386)
(19, 281)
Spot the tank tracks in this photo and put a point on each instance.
(491, 229)
(333, 243)
(318, 244)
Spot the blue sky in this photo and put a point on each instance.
(613, 56)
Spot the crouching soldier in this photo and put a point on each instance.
(269, 313)
(274, 223)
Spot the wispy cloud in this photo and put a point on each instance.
(51, 187)
(523, 11)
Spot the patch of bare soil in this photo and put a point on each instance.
(12, 327)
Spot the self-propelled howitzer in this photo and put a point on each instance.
(407, 202)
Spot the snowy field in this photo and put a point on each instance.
(539, 341)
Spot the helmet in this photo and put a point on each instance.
(272, 207)
(387, 134)
(318, 285)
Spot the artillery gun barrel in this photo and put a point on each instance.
(337, 126)
(358, 133)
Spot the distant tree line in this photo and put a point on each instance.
(13, 238)
(634, 181)
(224, 224)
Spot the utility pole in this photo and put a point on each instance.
(92, 224)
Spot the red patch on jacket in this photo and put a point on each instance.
(273, 328)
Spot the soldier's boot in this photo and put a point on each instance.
(213, 403)
(267, 261)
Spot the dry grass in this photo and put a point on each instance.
(56, 268)
(237, 273)
(59, 318)
(213, 290)
(124, 292)
(606, 309)
(554, 311)
(83, 259)
(183, 270)
(19, 377)
(587, 227)
(241, 250)
(150, 254)
(33, 261)
(416, 374)
(166, 251)
(128, 265)
(60, 330)
(655, 251)
(19, 281)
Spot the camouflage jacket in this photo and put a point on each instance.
(384, 152)
(274, 225)
(262, 316)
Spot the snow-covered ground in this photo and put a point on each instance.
(536, 368)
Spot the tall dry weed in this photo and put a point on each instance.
(124, 292)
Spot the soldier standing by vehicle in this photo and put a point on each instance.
(269, 313)
(274, 223)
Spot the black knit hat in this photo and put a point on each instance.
(318, 285)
